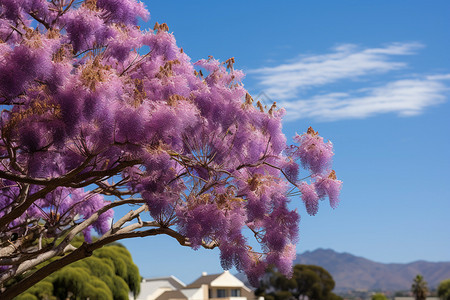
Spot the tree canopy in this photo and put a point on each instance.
(98, 113)
(307, 282)
(108, 274)
(444, 289)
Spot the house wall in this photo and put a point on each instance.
(225, 293)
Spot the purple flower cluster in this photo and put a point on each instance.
(315, 155)
(19, 67)
(319, 189)
(313, 152)
(328, 186)
(309, 197)
(123, 11)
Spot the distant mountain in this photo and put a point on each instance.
(351, 272)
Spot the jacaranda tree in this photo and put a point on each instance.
(98, 113)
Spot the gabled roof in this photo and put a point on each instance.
(205, 279)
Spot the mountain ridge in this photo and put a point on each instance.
(351, 272)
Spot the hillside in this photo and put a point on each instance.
(351, 272)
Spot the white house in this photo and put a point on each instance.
(222, 286)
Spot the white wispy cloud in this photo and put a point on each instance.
(345, 62)
(405, 96)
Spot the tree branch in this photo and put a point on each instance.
(34, 16)
(13, 291)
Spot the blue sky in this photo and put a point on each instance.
(371, 76)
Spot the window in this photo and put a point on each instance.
(235, 293)
(221, 293)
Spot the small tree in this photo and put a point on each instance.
(379, 296)
(419, 288)
(444, 289)
(307, 282)
(94, 106)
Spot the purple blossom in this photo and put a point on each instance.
(20, 66)
(314, 154)
(256, 206)
(233, 249)
(329, 186)
(163, 122)
(159, 203)
(163, 44)
(85, 29)
(7, 34)
(130, 125)
(283, 260)
(200, 222)
(255, 271)
(11, 9)
(38, 169)
(124, 11)
(70, 108)
(309, 197)
(87, 234)
(31, 138)
(278, 139)
(103, 223)
(291, 169)
(91, 205)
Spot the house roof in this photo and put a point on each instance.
(205, 279)
(172, 295)
(154, 287)
(172, 280)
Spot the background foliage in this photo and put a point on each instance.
(444, 289)
(108, 274)
(309, 281)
